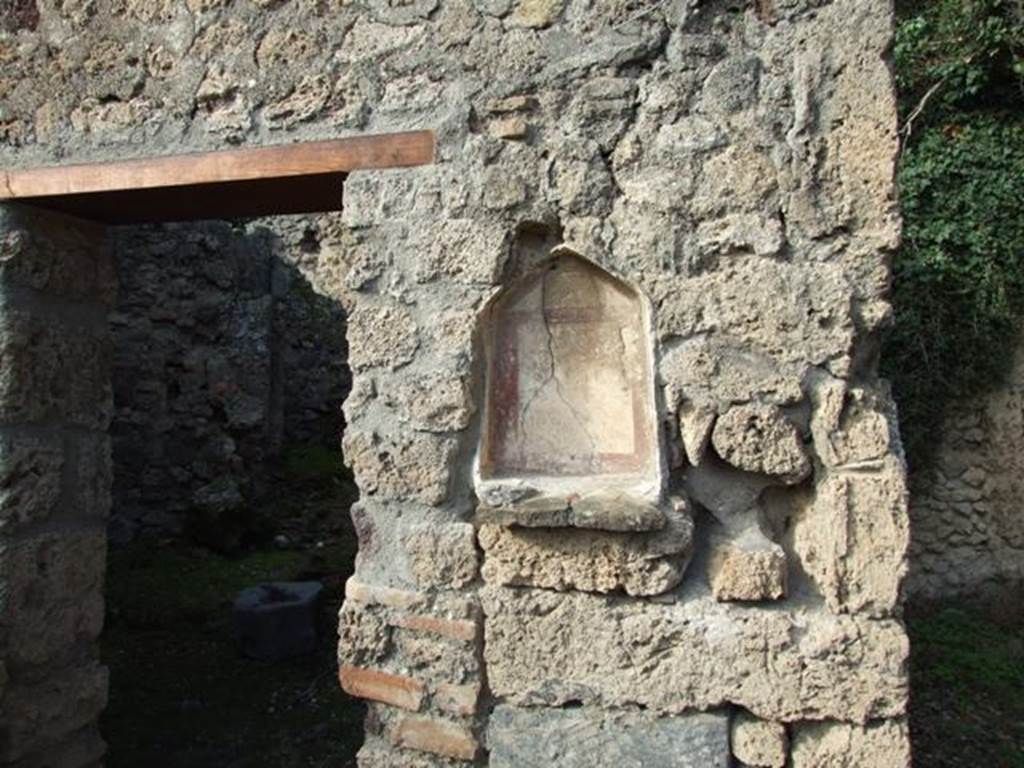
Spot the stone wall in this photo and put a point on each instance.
(56, 286)
(967, 508)
(224, 352)
(728, 164)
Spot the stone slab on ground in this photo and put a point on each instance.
(586, 737)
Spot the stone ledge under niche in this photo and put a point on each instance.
(596, 510)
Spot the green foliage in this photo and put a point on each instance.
(959, 276)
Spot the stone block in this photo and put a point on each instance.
(586, 737)
(465, 251)
(592, 561)
(844, 745)
(461, 700)
(758, 438)
(748, 567)
(442, 556)
(386, 337)
(599, 510)
(364, 637)
(545, 648)
(54, 584)
(696, 421)
(759, 743)
(277, 621)
(33, 718)
(413, 467)
(440, 737)
(30, 478)
(431, 402)
(53, 370)
(397, 690)
(57, 255)
(852, 539)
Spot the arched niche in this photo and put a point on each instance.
(569, 401)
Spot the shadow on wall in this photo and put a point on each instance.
(224, 351)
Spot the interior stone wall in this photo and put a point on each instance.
(224, 353)
(732, 163)
(967, 506)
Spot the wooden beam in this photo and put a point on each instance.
(396, 150)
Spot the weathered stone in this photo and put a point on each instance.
(30, 478)
(402, 468)
(38, 716)
(587, 737)
(386, 337)
(852, 538)
(535, 14)
(460, 700)
(546, 648)
(695, 423)
(748, 567)
(592, 561)
(464, 250)
(509, 128)
(432, 402)
(54, 585)
(841, 745)
(758, 438)
(758, 743)
(440, 737)
(597, 511)
(730, 495)
(442, 556)
(278, 620)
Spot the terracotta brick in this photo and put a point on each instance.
(396, 690)
(386, 596)
(437, 736)
(458, 699)
(457, 629)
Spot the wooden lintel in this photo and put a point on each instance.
(396, 150)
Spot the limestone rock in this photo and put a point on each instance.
(696, 420)
(748, 568)
(729, 494)
(758, 438)
(535, 14)
(842, 745)
(546, 648)
(759, 743)
(853, 538)
(400, 468)
(442, 556)
(587, 737)
(381, 336)
(592, 561)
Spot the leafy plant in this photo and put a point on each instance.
(959, 277)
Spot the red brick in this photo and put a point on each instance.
(437, 736)
(396, 690)
(457, 629)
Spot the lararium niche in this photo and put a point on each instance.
(569, 429)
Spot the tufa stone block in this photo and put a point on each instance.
(758, 438)
(747, 568)
(442, 555)
(844, 745)
(759, 743)
(592, 561)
